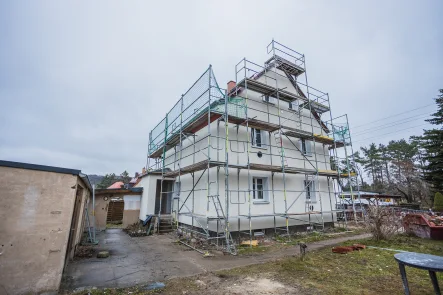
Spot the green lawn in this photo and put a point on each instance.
(312, 237)
(370, 271)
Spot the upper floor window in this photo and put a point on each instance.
(293, 105)
(306, 147)
(257, 137)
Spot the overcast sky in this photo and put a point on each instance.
(83, 83)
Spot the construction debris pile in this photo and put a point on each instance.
(434, 220)
(84, 251)
(137, 230)
(347, 249)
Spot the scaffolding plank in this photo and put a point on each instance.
(191, 128)
(266, 89)
(298, 134)
(201, 122)
(254, 123)
(332, 173)
(316, 106)
(191, 168)
(170, 143)
(274, 168)
(286, 65)
(253, 166)
(328, 140)
(318, 138)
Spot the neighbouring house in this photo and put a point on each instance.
(155, 199)
(263, 155)
(42, 213)
(116, 205)
(360, 201)
(116, 185)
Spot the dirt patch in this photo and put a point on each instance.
(136, 230)
(263, 286)
(84, 252)
(219, 284)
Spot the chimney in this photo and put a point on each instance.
(231, 85)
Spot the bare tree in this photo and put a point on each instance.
(383, 223)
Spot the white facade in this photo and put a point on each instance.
(273, 196)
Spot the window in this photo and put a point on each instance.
(259, 193)
(310, 191)
(269, 99)
(177, 188)
(131, 202)
(306, 147)
(257, 137)
(293, 105)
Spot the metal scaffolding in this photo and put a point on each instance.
(202, 134)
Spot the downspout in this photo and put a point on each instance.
(93, 213)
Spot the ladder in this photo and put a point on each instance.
(281, 150)
(222, 223)
(90, 238)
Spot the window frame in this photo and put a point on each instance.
(310, 191)
(293, 106)
(304, 147)
(264, 190)
(254, 138)
(177, 188)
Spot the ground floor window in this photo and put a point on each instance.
(259, 192)
(310, 191)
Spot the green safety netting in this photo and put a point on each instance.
(203, 94)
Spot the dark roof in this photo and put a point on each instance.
(28, 166)
(131, 190)
(39, 167)
(370, 195)
(366, 196)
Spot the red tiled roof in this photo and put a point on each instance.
(117, 184)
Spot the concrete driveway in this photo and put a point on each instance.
(132, 261)
(142, 260)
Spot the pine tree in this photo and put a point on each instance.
(107, 181)
(371, 163)
(432, 143)
(125, 177)
(403, 157)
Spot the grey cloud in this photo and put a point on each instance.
(83, 83)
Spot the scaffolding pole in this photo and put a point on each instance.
(200, 107)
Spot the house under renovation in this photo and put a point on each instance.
(264, 155)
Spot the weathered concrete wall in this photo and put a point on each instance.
(101, 211)
(36, 212)
(80, 225)
(130, 217)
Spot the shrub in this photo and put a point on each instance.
(438, 202)
(382, 222)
